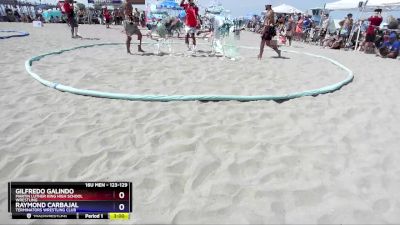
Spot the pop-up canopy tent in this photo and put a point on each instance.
(363, 5)
(286, 9)
(169, 4)
(345, 5)
(105, 2)
(216, 9)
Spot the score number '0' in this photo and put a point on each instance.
(121, 206)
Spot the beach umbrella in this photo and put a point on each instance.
(286, 9)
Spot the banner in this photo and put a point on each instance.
(136, 2)
(105, 1)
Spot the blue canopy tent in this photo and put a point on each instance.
(171, 7)
(182, 14)
(169, 4)
(105, 2)
(157, 15)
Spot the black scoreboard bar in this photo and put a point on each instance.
(70, 200)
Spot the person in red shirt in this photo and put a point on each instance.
(68, 9)
(107, 16)
(192, 13)
(374, 23)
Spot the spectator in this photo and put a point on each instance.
(324, 28)
(23, 18)
(347, 25)
(290, 29)
(81, 14)
(299, 27)
(375, 22)
(115, 15)
(393, 23)
(307, 23)
(390, 48)
(9, 15)
(107, 16)
(281, 31)
(120, 16)
(17, 16)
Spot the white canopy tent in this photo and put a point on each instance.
(286, 9)
(342, 5)
(383, 2)
(386, 5)
(345, 5)
(367, 5)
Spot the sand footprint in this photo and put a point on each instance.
(309, 197)
(381, 206)
(79, 168)
(12, 130)
(204, 172)
(177, 167)
(184, 216)
(11, 167)
(151, 190)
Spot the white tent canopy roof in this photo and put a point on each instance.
(286, 9)
(343, 5)
(384, 3)
(388, 5)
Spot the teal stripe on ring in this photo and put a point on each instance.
(19, 34)
(169, 98)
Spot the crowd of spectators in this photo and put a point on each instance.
(84, 16)
(374, 35)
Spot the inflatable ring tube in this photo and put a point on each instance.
(169, 98)
(19, 34)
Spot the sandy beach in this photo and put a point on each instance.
(329, 159)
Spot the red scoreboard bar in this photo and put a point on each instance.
(70, 200)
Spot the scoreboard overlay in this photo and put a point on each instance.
(70, 200)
